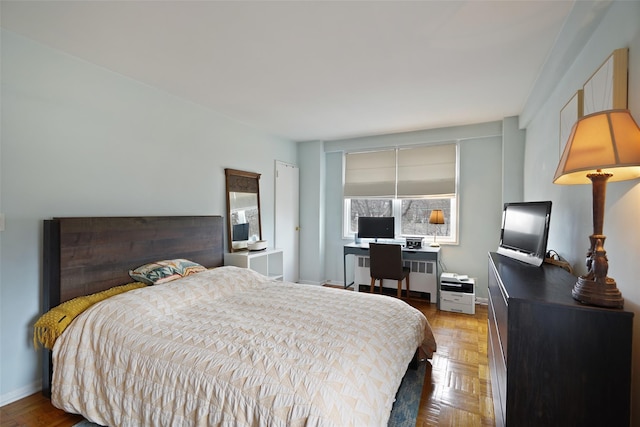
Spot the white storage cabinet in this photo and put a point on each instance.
(269, 261)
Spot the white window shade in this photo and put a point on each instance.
(371, 174)
(427, 171)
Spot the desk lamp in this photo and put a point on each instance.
(436, 217)
(602, 146)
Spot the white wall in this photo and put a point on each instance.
(312, 212)
(571, 220)
(480, 204)
(512, 160)
(78, 140)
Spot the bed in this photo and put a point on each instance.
(223, 346)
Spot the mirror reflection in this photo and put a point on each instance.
(244, 218)
(243, 209)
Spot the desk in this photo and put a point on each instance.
(424, 254)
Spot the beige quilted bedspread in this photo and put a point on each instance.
(230, 347)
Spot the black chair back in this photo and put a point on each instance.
(385, 261)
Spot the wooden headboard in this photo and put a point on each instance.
(87, 255)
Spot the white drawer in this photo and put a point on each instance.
(457, 302)
(457, 297)
(457, 308)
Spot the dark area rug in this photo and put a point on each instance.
(405, 408)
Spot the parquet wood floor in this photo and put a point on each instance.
(457, 387)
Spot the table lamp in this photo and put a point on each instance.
(436, 217)
(603, 146)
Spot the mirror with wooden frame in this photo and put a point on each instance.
(243, 209)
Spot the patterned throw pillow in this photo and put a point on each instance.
(165, 271)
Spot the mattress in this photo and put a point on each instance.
(229, 346)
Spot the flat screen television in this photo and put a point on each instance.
(525, 229)
(376, 227)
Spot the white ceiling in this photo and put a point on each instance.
(315, 70)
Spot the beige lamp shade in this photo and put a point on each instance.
(436, 217)
(607, 141)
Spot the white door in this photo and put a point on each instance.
(287, 225)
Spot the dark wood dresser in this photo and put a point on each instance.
(554, 361)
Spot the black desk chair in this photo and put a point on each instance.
(385, 262)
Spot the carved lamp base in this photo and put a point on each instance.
(597, 293)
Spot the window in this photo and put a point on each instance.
(407, 183)
(368, 207)
(414, 218)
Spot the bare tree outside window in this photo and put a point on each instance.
(415, 217)
(369, 207)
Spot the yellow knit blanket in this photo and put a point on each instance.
(51, 324)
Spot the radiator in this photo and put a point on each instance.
(423, 277)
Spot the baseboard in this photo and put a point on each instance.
(482, 301)
(20, 393)
(334, 282)
(309, 282)
(393, 292)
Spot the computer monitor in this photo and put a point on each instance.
(376, 227)
(240, 232)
